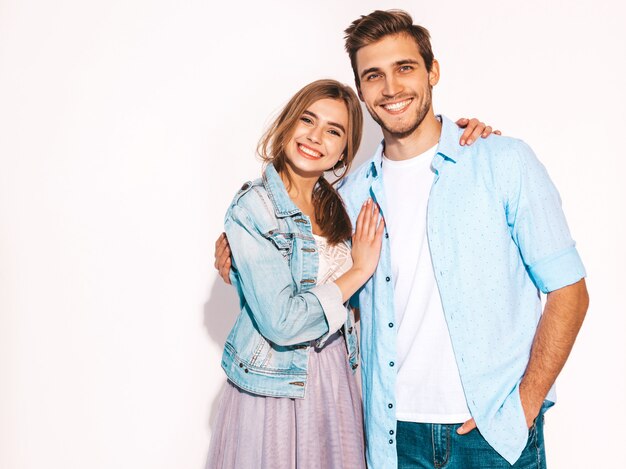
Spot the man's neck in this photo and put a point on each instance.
(421, 139)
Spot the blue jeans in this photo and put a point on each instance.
(438, 446)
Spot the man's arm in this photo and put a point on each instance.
(562, 317)
(222, 258)
(539, 228)
(474, 129)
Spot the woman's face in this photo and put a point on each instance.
(319, 138)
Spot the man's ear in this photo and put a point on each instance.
(433, 75)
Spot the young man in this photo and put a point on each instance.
(452, 332)
(451, 323)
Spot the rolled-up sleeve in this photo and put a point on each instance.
(329, 295)
(282, 315)
(538, 224)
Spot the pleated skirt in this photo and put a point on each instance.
(322, 430)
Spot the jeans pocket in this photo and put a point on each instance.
(532, 431)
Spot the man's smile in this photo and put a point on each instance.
(397, 107)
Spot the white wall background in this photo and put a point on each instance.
(127, 125)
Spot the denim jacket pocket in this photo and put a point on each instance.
(260, 352)
(282, 241)
(268, 358)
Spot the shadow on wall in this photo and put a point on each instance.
(372, 136)
(220, 312)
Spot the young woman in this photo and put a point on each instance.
(291, 399)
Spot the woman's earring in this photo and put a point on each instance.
(338, 176)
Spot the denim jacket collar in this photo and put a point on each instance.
(283, 205)
(448, 147)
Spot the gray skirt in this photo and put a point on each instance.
(323, 430)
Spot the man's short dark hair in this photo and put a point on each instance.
(379, 24)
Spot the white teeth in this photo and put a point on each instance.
(309, 152)
(397, 106)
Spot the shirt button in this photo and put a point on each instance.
(390, 324)
(391, 363)
(388, 279)
(386, 235)
(391, 442)
(391, 432)
(390, 405)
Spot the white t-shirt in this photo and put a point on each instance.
(428, 386)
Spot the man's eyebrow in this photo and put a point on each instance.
(406, 62)
(334, 124)
(395, 64)
(369, 70)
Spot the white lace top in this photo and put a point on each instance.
(333, 260)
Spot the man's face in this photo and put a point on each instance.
(395, 85)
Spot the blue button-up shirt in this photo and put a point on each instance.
(497, 236)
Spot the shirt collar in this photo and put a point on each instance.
(448, 146)
(449, 140)
(377, 161)
(283, 205)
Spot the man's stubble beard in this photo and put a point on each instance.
(419, 117)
